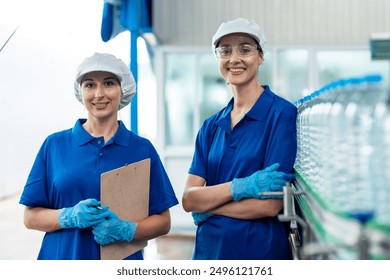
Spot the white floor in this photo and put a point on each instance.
(16, 242)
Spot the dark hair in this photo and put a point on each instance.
(259, 49)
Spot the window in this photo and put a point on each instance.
(337, 64)
(179, 98)
(194, 90)
(292, 79)
(214, 93)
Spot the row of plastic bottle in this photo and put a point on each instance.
(344, 146)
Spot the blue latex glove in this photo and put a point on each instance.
(200, 217)
(84, 214)
(113, 229)
(266, 180)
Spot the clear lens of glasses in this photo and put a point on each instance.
(241, 50)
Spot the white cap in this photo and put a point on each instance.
(239, 25)
(107, 63)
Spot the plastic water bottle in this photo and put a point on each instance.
(333, 132)
(300, 104)
(359, 114)
(380, 160)
(337, 173)
(313, 167)
(303, 162)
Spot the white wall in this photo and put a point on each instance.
(36, 75)
(285, 22)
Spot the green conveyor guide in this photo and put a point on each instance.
(335, 233)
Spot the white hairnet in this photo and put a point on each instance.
(239, 25)
(107, 63)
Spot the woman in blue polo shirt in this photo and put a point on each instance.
(62, 192)
(246, 148)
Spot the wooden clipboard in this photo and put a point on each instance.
(126, 191)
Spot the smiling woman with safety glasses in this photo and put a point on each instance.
(245, 149)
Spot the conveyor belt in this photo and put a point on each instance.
(335, 235)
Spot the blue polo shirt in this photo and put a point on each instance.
(67, 170)
(266, 135)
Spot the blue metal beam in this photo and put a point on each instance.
(135, 16)
(134, 70)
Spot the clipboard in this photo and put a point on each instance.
(126, 191)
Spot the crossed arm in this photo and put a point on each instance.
(218, 200)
